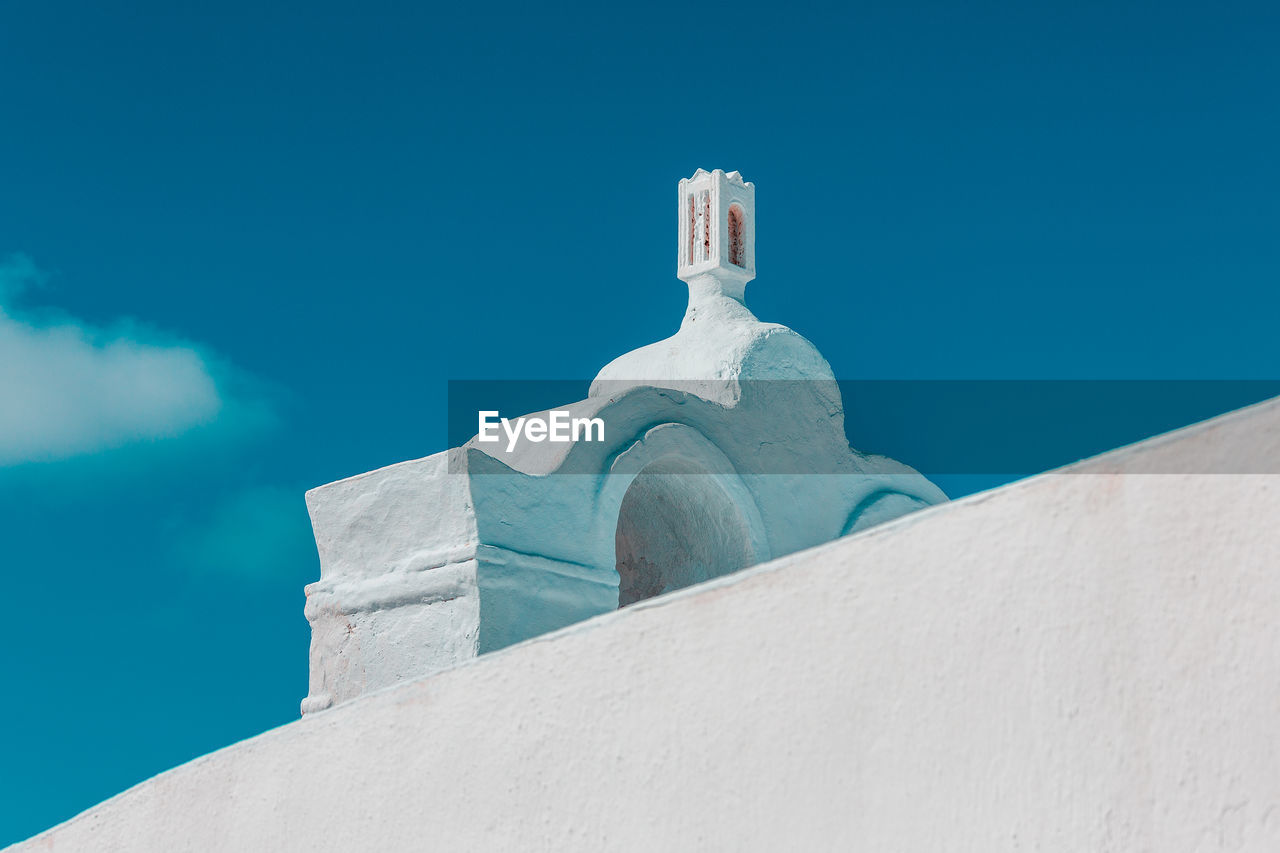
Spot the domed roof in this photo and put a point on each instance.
(720, 343)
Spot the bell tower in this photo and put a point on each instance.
(717, 216)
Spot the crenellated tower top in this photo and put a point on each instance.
(717, 216)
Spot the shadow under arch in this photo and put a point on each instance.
(682, 514)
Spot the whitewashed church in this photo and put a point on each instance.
(721, 628)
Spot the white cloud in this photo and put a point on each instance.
(68, 388)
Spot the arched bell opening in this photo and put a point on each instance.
(677, 526)
(737, 236)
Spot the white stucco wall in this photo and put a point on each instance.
(1079, 661)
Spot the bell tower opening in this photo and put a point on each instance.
(737, 243)
(676, 527)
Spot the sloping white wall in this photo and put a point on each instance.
(1080, 661)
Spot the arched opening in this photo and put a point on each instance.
(879, 507)
(676, 527)
(699, 227)
(693, 228)
(737, 241)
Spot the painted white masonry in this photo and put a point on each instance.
(724, 447)
(716, 213)
(1084, 660)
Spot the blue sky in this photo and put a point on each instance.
(243, 248)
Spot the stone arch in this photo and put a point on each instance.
(676, 527)
(679, 514)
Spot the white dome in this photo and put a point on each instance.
(720, 343)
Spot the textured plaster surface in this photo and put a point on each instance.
(398, 595)
(1085, 660)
